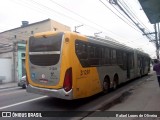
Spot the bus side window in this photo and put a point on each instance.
(119, 58)
(94, 54)
(82, 53)
(98, 55)
(101, 56)
(113, 56)
(81, 50)
(107, 56)
(91, 51)
(77, 49)
(95, 60)
(131, 59)
(139, 61)
(97, 52)
(102, 52)
(124, 61)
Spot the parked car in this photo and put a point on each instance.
(22, 82)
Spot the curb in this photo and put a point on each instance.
(5, 86)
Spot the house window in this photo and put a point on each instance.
(32, 32)
(23, 54)
(15, 36)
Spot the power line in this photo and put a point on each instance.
(117, 15)
(121, 13)
(51, 10)
(125, 6)
(77, 15)
(134, 16)
(136, 24)
(80, 15)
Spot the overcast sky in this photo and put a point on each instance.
(93, 14)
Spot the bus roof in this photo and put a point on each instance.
(109, 42)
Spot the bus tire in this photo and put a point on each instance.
(115, 82)
(106, 84)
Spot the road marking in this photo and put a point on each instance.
(3, 89)
(12, 92)
(8, 106)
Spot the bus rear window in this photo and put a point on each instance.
(45, 43)
(45, 50)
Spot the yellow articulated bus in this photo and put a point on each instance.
(69, 65)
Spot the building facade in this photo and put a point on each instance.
(13, 42)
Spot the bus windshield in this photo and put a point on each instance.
(45, 50)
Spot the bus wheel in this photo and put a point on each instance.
(106, 85)
(115, 82)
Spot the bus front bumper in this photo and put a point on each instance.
(59, 93)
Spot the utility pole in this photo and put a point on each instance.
(158, 33)
(156, 41)
(115, 2)
(136, 23)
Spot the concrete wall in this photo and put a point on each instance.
(6, 55)
(6, 69)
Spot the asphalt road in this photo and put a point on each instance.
(17, 99)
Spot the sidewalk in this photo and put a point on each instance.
(8, 85)
(143, 97)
